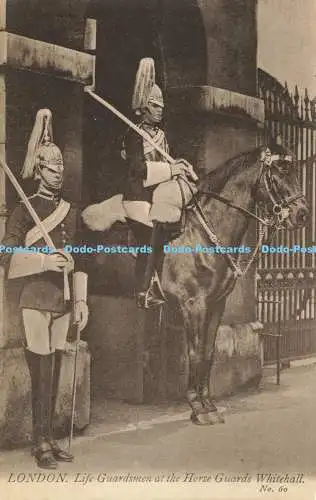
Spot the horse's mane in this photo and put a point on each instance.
(217, 178)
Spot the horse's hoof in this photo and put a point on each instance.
(216, 417)
(200, 418)
(221, 417)
(207, 418)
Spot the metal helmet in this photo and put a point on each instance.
(156, 96)
(41, 150)
(48, 153)
(145, 88)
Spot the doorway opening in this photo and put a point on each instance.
(125, 34)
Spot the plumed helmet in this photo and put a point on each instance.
(48, 153)
(145, 88)
(41, 150)
(156, 96)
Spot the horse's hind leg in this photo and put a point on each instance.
(209, 351)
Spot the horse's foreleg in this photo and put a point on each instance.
(194, 319)
(199, 412)
(211, 327)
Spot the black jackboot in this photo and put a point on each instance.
(58, 453)
(40, 367)
(152, 294)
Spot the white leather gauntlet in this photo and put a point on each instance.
(26, 264)
(157, 172)
(80, 286)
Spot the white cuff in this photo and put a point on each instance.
(26, 264)
(80, 286)
(157, 172)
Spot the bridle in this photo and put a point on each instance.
(274, 222)
(280, 206)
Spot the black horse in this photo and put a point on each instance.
(199, 283)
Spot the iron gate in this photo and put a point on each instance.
(286, 283)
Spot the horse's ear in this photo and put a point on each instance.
(276, 142)
(277, 145)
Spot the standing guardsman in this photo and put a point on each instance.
(146, 169)
(45, 312)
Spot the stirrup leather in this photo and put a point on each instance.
(156, 281)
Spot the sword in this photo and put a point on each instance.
(36, 219)
(74, 389)
(137, 129)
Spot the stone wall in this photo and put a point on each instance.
(55, 21)
(134, 361)
(231, 37)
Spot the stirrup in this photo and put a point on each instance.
(155, 281)
(146, 300)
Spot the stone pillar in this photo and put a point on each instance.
(2, 193)
(3, 157)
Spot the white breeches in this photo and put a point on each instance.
(45, 331)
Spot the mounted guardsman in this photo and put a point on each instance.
(45, 312)
(152, 198)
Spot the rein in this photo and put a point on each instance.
(227, 202)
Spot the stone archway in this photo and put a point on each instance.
(173, 34)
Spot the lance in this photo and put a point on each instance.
(36, 219)
(138, 130)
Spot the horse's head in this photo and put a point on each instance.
(279, 189)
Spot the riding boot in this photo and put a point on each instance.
(59, 454)
(33, 364)
(151, 294)
(40, 367)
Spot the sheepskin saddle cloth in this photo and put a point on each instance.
(168, 205)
